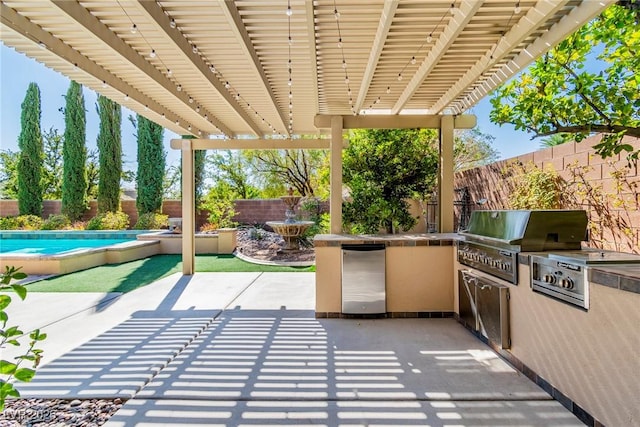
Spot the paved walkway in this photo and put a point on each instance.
(234, 349)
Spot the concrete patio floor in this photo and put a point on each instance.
(235, 349)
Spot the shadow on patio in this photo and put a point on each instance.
(263, 358)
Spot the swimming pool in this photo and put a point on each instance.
(59, 252)
(57, 242)
(53, 246)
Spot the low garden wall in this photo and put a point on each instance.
(251, 211)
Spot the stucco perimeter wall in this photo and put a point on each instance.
(609, 219)
(591, 357)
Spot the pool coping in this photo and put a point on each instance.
(147, 243)
(81, 259)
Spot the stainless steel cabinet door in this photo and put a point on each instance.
(363, 279)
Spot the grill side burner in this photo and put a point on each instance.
(559, 279)
(565, 274)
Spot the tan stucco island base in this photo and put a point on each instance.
(418, 273)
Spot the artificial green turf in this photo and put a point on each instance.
(128, 276)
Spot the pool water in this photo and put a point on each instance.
(52, 246)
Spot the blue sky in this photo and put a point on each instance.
(17, 71)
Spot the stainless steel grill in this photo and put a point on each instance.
(490, 247)
(494, 238)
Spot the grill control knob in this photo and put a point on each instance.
(550, 278)
(567, 283)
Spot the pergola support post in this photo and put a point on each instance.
(188, 208)
(445, 179)
(335, 201)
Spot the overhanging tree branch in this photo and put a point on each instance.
(630, 131)
(588, 101)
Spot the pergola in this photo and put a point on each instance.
(261, 73)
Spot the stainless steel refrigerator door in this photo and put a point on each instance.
(363, 279)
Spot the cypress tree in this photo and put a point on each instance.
(110, 155)
(31, 155)
(151, 164)
(199, 159)
(74, 153)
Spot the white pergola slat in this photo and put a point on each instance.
(243, 48)
(231, 12)
(386, 19)
(477, 45)
(463, 15)
(163, 23)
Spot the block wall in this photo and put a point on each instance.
(252, 211)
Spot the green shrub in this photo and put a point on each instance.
(221, 211)
(28, 222)
(14, 369)
(109, 221)
(56, 222)
(152, 221)
(534, 188)
(8, 223)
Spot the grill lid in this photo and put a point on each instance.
(528, 230)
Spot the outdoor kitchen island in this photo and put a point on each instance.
(418, 273)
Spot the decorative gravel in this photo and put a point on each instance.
(58, 412)
(264, 245)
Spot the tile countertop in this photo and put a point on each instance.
(623, 277)
(418, 239)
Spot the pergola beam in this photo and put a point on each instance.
(456, 25)
(113, 43)
(394, 121)
(386, 18)
(560, 31)
(231, 11)
(255, 144)
(164, 24)
(54, 46)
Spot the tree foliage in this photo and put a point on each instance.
(172, 182)
(9, 174)
(93, 174)
(53, 164)
(383, 168)
(472, 148)
(74, 178)
(51, 183)
(235, 170)
(559, 95)
(299, 169)
(151, 164)
(29, 166)
(199, 160)
(110, 155)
